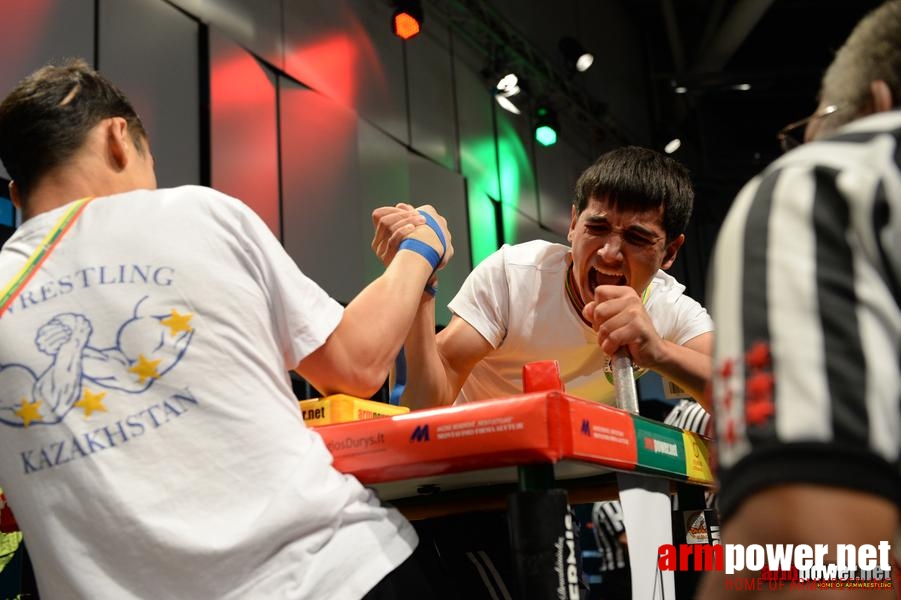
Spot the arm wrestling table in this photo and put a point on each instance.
(530, 449)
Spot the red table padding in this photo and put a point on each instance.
(540, 427)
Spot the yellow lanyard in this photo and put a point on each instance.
(40, 254)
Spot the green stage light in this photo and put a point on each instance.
(546, 127)
(546, 136)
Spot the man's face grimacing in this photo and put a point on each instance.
(618, 246)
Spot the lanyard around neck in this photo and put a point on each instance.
(40, 254)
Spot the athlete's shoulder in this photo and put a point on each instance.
(200, 194)
(540, 254)
(665, 284)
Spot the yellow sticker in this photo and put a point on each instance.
(697, 458)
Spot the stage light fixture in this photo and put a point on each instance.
(508, 85)
(546, 126)
(672, 145)
(505, 88)
(406, 22)
(576, 56)
(506, 104)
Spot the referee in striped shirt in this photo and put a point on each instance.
(806, 281)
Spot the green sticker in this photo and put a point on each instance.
(660, 448)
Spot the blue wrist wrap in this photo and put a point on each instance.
(423, 249)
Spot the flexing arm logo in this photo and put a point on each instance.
(147, 345)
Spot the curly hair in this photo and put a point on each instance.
(872, 52)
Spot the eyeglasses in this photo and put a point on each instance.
(792, 135)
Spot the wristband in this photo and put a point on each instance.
(422, 249)
(430, 221)
(431, 290)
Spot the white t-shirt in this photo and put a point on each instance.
(516, 299)
(150, 442)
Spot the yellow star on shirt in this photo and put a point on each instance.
(91, 402)
(145, 369)
(177, 322)
(29, 412)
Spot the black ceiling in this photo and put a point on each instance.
(778, 47)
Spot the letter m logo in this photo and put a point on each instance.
(420, 434)
(586, 427)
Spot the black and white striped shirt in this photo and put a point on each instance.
(689, 415)
(805, 279)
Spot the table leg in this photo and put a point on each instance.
(544, 538)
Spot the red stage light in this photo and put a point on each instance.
(406, 22)
(405, 25)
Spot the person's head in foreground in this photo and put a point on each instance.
(68, 118)
(807, 302)
(865, 75)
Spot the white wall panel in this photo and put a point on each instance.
(430, 80)
(322, 218)
(515, 160)
(557, 169)
(244, 129)
(33, 34)
(345, 50)
(478, 151)
(446, 191)
(384, 181)
(520, 228)
(150, 50)
(254, 24)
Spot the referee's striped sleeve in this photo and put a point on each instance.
(807, 383)
(689, 415)
(608, 525)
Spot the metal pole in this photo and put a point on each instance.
(624, 382)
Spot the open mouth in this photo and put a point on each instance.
(597, 277)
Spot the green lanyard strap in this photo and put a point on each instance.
(40, 254)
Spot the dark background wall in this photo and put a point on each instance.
(314, 113)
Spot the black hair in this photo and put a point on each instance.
(46, 118)
(640, 178)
